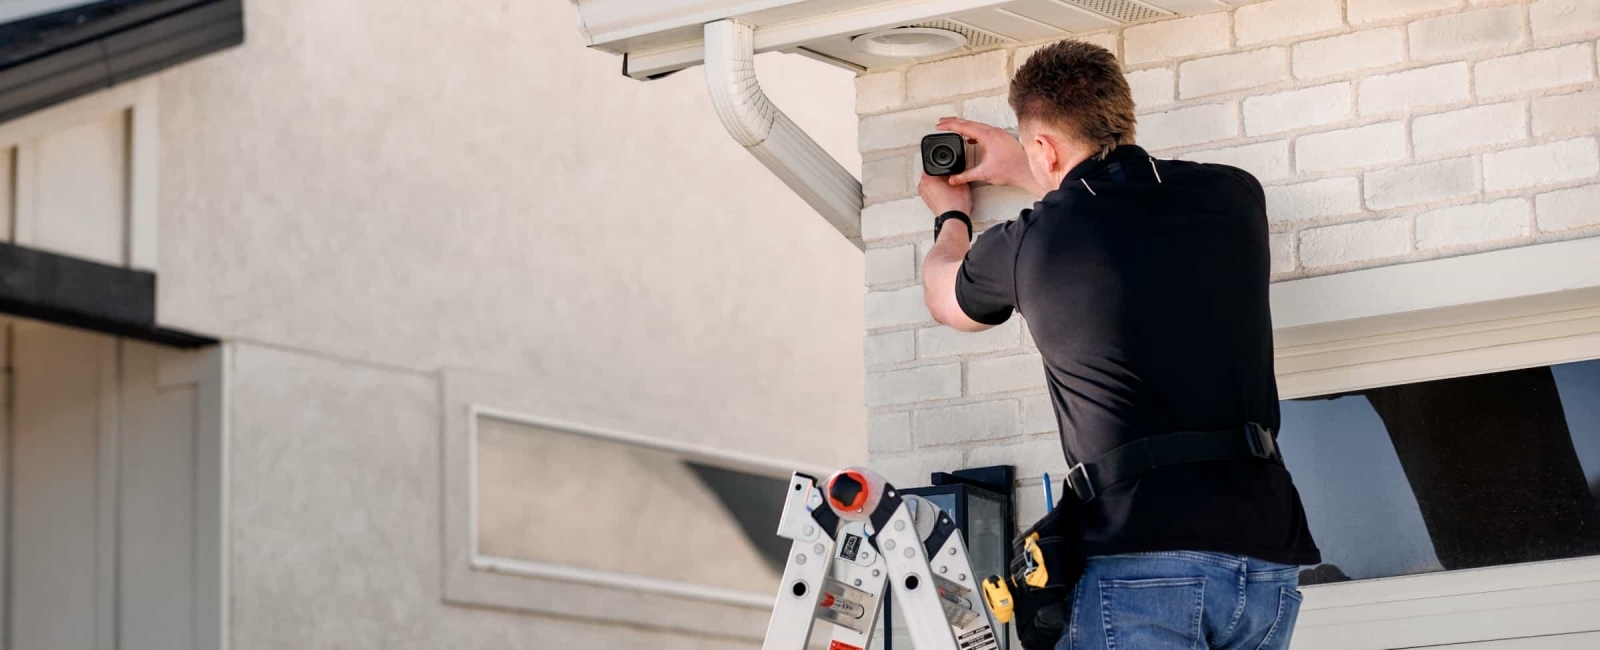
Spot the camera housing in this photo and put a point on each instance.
(944, 154)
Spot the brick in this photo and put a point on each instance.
(896, 130)
(1229, 72)
(1363, 12)
(917, 467)
(1297, 109)
(1557, 162)
(1349, 53)
(1152, 88)
(1325, 198)
(1438, 85)
(1031, 457)
(941, 341)
(1354, 242)
(990, 110)
(913, 385)
(889, 432)
(1473, 224)
(891, 265)
(1569, 209)
(1480, 126)
(1027, 335)
(966, 423)
(962, 75)
(1282, 19)
(884, 177)
(898, 307)
(1171, 39)
(1038, 415)
(1556, 18)
(1415, 184)
(1474, 31)
(893, 218)
(1186, 126)
(1346, 148)
(995, 203)
(1282, 246)
(1561, 66)
(893, 347)
(876, 93)
(1561, 113)
(1003, 374)
(1267, 161)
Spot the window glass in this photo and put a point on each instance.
(1451, 474)
(557, 498)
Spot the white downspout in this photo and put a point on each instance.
(770, 136)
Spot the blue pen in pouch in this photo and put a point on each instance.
(1049, 495)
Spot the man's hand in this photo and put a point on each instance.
(1001, 160)
(943, 196)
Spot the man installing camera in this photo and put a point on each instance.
(1144, 283)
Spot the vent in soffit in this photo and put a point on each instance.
(909, 42)
(1121, 10)
(976, 38)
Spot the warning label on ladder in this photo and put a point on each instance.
(840, 645)
(979, 639)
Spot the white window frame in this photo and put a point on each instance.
(477, 579)
(1475, 314)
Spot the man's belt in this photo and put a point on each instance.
(1251, 442)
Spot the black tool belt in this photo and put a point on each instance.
(1129, 461)
(1047, 558)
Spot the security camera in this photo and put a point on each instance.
(946, 154)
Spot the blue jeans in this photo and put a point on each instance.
(1183, 599)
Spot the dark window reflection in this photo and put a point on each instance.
(1450, 474)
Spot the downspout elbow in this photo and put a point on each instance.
(763, 130)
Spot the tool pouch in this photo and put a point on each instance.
(1047, 561)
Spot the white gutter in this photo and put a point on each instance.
(771, 136)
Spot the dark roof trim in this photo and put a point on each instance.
(87, 295)
(49, 59)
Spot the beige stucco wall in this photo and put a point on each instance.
(370, 192)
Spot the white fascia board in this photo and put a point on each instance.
(1311, 309)
(795, 32)
(608, 23)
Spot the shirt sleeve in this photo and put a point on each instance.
(986, 287)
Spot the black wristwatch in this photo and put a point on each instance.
(938, 223)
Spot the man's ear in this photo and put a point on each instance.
(1048, 148)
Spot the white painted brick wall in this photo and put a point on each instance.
(1297, 109)
(1466, 33)
(1354, 242)
(1474, 224)
(1267, 161)
(1385, 132)
(1194, 125)
(1366, 12)
(1471, 128)
(1569, 209)
(1173, 39)
(1340, 54)
(1276, 20)
(1328, 197)
(1556, 162)
(1557, 18)
(1220, 74)
(1566, 113)
(958, 76)
(1561, 66)
(1363, 146)
(1441, 84)
(1005, 374)
(1418, 184)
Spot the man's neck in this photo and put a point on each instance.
(1071, 158)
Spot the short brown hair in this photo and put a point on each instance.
(1079, 87)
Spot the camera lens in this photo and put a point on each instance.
(943, 155)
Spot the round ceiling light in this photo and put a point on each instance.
(906, 42)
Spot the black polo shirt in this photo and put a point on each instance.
(1144, 283)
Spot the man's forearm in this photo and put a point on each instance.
(939, 272)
